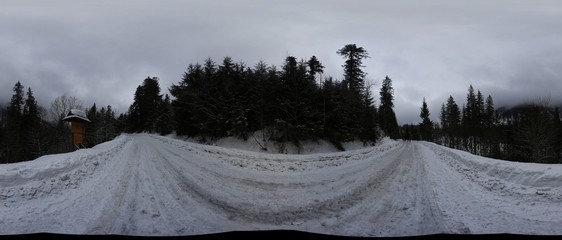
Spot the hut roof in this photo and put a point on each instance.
(76, 115)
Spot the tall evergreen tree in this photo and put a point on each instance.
(353, 75)
(387, 117)
(470, 120)
(426, 126)
(14, 115)
(147, 99)
(489, 113)
(489, 131)
(164, 122)
(189, 110)
(91, 137)
(480, 113)
(298, 115)
(451, 126)
(534, 133)
(369, 120)
(31, 128)
(314, 67)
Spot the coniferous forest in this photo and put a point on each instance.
(288, 105)
(528, 132)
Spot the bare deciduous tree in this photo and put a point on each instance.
(62, 105)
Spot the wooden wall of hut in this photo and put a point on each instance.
(78, 131)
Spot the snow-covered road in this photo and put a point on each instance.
(152, 185)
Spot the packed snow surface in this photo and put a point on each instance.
(151, 185)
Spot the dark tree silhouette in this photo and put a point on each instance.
(145, 109)
(353, 75)
(387, 117)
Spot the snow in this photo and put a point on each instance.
(258, 143)
(148, 185)
(76, 113)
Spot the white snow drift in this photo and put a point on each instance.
(151, 185)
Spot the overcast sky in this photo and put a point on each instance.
(100, 51)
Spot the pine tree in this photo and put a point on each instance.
(91, 137)
(387, 117)
(534, 133)
(288, 104)
(31, 127)
(298, 116)
(480, 113)
(490, 113)
(314, 67)
(262, 90)
(453, 121)
(109, 128)
(470, 120)
(368, 130)
(14, 112)
(443, 117)
(426, 126)
(164, 122)
(142, 112)
(189, 94)
(490, 135)
(353, 75)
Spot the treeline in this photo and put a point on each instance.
(29, 130)
(530, 132)
(289, 105)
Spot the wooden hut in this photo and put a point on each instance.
(78, 120)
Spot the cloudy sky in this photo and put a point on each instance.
(100, 51)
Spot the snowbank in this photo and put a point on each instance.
(256, 143)
(149, 185)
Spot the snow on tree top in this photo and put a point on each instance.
(76, 114)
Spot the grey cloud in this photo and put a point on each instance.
(102, 50)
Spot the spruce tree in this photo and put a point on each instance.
(453, 121)
(14, 113)
(31, 128)
(443, 117)
(147, 99)
(188, 104)
(91, 137)
(470, 120)
(353, 75)
(534, 133)
(490, 135)
(480, 113)
(387, 117)
(426, 126)
(314, 67)
(490, 113)
(164, 122)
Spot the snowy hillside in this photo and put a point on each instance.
(151, 185)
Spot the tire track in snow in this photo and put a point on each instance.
(277, 212)
(114, 218)
(184, 196)
(404, 195)
(150, 185)
(493, 200)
